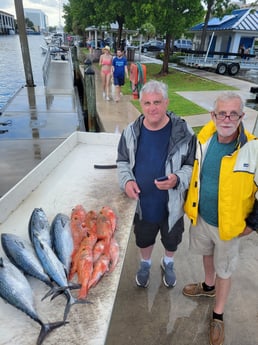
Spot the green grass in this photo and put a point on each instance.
(178, 81)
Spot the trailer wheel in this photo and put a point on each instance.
(233, 68)
(221, 68)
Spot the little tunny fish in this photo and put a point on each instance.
(21, 253)
(56, 271)
(15, 289)
(61, 238)
(39, 223)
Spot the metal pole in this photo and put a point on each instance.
(24, 42)
(209, 47)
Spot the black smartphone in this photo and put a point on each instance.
(163, 178)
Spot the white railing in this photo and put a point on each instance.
(45, 68)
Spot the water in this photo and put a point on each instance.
(12, 75)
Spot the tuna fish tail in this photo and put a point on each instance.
(71, 301)
(46, 328)
(56, 291)
(52, 291)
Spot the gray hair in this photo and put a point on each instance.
(226, 96)
(154, 86)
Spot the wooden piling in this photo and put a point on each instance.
(90, 97)
(76, 69)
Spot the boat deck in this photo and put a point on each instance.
(66, 178)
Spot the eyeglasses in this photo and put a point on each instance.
(233, 116)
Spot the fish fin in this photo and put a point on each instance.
(71, 301)
(55, 291)
(74, 286)
(47, 328)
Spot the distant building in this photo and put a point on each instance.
(7, 23)
(231, 33)
(38, 18)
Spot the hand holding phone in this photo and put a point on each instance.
(162, 178)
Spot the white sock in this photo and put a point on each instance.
(148, 261)
(168, 259)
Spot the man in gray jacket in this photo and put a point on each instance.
(155, 159)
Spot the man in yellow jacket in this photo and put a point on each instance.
(222, 202)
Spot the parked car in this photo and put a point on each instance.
(109, 41)
(183, 44)
(153, 46)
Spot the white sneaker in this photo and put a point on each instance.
(104, 95)
(107, 98)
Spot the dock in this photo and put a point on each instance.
(35, 122)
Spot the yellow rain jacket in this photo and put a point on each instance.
(237, 188)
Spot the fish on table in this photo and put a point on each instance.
(56, 271)
(39, 223)
(78, 226)
(83, 263)
(114, 254)
(100, 268)
(21, 253)
(61, 239)
(98, 251)
(16, 290)
(110, 214)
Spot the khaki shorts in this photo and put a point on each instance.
(204, 240)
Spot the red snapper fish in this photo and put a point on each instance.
(114, 254)
(101, 266)
(98, 250)
(110, 214)
(83, 264)
(104, 231)
(91, 221)
(78, 226)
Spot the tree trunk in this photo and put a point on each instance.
(120, 31)
(164, 69)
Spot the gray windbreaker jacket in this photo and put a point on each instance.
(179, 161)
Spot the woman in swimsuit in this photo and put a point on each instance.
(105, 61)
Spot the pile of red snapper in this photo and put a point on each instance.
(96, 250)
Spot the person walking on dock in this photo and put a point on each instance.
(105, 61)
(222, 203)
(155, 159)
(120, 70)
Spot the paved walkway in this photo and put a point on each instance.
(114, 116)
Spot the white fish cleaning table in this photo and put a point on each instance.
(67, 177)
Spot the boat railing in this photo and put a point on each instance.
(69, 56)
(45, 67)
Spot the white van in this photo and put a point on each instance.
(183, 44)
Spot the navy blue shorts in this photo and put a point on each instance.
(119, 81)
(146, 233)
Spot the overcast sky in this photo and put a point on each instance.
(49, 7)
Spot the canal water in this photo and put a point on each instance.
(12, 76)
